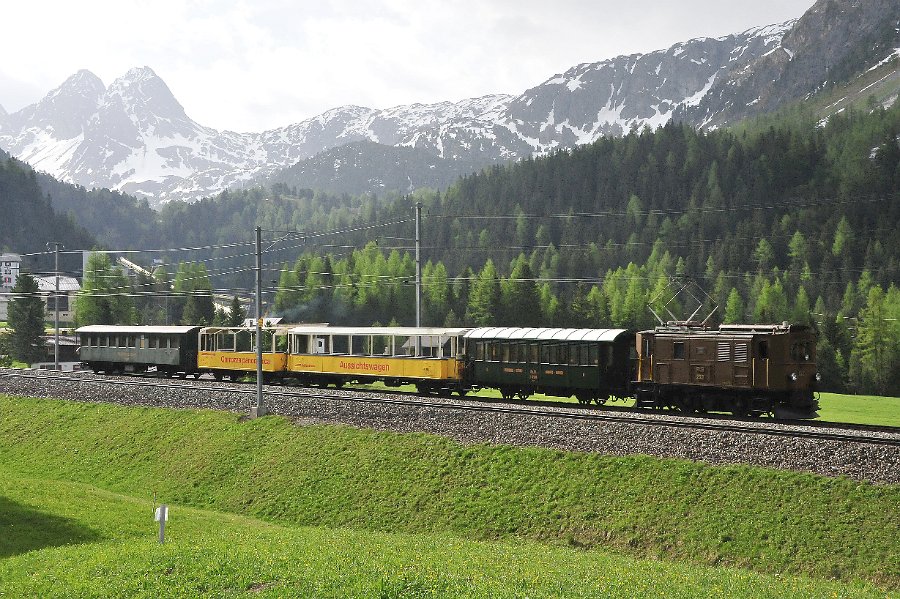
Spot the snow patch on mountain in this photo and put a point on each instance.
(134, 136)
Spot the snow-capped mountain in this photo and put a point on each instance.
(134, 136)
(834, 41)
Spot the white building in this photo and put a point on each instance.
(9, 274)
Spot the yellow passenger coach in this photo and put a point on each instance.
(431, 358)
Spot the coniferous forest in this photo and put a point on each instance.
(783, 219)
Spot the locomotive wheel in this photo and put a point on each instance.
(739, 409)
(462, 392)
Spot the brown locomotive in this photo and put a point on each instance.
(743, 369)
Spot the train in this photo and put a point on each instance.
(747, 370)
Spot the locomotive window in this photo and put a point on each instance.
(800, 352)
(678, 350)
(764, 349)
(646, 347)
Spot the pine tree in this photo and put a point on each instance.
(734, 308)
(26, 319)
(236, 314)
(484, 298)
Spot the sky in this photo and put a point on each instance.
(254, 65)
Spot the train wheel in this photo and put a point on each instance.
(462, 392)
(218, 376)
(583, 398)
(739, 408)
(524, 394)
(507, 393)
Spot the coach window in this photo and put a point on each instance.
(595, 354)
(678, 350)
(504, 355)
(173, 342)
(552, 354)
(575, 354)
(513, 352)
(103, 341)
(479, 351)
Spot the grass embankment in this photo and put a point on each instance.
(860, 409)
(337, 477)
(69, 540)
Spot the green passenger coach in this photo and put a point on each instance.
(591, 364)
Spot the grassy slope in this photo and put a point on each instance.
(341, 477)
(860, 409)
(103, 544)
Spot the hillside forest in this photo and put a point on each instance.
(787, 218)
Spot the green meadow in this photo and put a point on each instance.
(269, 508)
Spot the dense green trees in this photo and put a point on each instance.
(789, 220)
(26, 321)
(105, 296)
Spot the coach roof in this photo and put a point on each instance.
(545, 334)
(136, 330)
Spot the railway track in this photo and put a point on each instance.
(822, 431)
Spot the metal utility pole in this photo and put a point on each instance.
(260, 409)
(418, 265)
(56, 245)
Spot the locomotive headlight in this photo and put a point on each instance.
(794, 376)
(818, 376)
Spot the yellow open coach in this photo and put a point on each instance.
(433, 359)
(230, 352)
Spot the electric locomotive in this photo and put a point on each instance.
(742, 369)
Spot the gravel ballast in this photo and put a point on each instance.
(858, 460)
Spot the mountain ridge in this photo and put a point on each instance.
(134, 136)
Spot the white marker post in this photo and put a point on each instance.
(162, 514)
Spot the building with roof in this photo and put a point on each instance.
(9, 274)
(68, 289)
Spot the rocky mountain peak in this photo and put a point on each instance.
(143, 93)
(64, 111)
(832, 42)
